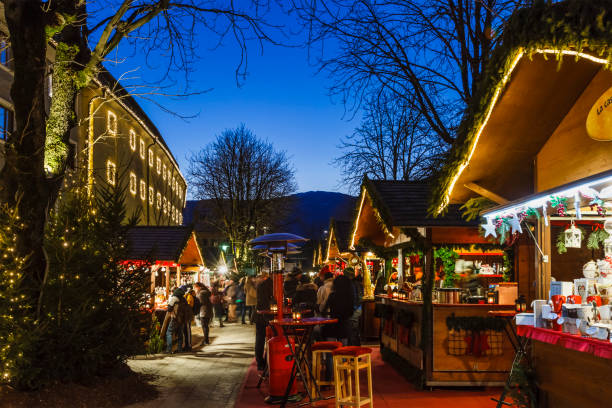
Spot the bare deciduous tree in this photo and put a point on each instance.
(390, 144)
(432, 52)
(247, 181)
(83, 35)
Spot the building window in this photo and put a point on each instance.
(111, 172)
(142, 148)
(158, 166)
(174, 184)
(111, 123)
(164, 172)
(133, 140)
(151, 196)
(133, 183)
(4, 53)
(165, 206)
(180, 218)
(143, 190)
(151, 157)
(159, 200)
(7, 122)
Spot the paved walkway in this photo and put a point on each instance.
(210, 377)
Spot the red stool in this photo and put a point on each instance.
(319, 350)
(349, 360)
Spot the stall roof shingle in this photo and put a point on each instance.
(157, 243)
(407, 202)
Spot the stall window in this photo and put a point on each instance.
(151, 196)
(7, 122)
(151, 157)
(133, 183)
(111, 123)
(111, 172)
(142, 148)
(133, 140)
(158, 166)
(143, 190)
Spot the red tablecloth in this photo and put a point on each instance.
(596, 347)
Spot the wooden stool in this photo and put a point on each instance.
(319, 350)
(349, 360)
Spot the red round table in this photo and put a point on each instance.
(302, 331)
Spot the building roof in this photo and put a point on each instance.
(405, 204)
(124, 97)
(159, 243)
(505, 126)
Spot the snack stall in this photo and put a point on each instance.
(434, 330)
(174, 255)
(535, 145)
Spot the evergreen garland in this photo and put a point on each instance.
(447, 258)
(596, 238)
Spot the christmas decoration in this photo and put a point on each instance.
(515, 224)
(573, 237)
(489, 228)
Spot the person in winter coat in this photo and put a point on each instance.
(250, 288)
(306, 294)
(187, 326)
(324, 290)
(241, 301)
(216, 298)
(265, 293)
(231, 290)
(354, 336)
(339, 305)
(205, 313)
(292, 280)
(179, 314)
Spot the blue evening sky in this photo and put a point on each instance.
(282, 101)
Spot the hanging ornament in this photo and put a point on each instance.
(573, 237)
(515, 224)
(577, 205)
(489, 228)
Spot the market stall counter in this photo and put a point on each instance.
(465, 347)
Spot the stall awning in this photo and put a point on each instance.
(595, 188)
(176, 244)
(539, 72)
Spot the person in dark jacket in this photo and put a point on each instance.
(216, 299)
(354, 336)
(291, 283)
(265, 294)
(339, 305)
(206, 309)
(306, 294)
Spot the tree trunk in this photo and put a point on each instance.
(22, 180)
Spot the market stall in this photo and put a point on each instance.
(174, 255)
(433, 328)
(535, 144)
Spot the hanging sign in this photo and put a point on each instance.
(599, 119)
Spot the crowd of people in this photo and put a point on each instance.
(226, 300)
(335, 295)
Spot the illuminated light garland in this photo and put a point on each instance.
(493, 102)
(363, 193)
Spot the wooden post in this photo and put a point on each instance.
(400, 267)
(168, 281)
(543, 266)
(368, 293)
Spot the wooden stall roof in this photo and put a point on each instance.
(389, 204)
(337, 239)
(172, 243)
(533, 80)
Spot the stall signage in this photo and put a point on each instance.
(599, 119)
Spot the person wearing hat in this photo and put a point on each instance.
(291, 282)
